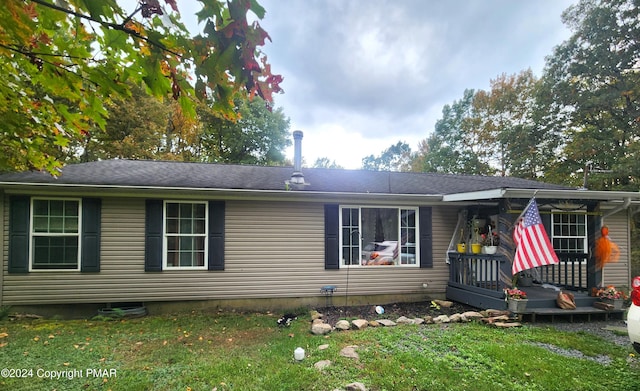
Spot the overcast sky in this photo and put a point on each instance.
(361, 75)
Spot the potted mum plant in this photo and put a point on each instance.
(611, 295)
(516, 300)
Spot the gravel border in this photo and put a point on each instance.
(602, 328)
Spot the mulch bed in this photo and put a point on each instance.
(391, 311)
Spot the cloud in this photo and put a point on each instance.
(361, 75)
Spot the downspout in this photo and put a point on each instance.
(625, 205)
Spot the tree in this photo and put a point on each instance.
(259, 136)
(453, 147)
(324, 162)
(63, 60)
(510, 127)
(395, 158)
(135, 129)
(182, 139)
(593, 81)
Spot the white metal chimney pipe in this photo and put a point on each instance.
(297, 150)
(297, 177)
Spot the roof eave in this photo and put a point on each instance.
(565, 194)
(158, 191)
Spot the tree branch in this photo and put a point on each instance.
(64, 67)
(119, 27)
(43, 54)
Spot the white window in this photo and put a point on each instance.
(55, 234)
(185, 235)
(569, 232)
(377, 236)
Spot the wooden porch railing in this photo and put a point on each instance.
(477, 272)
(571, 273)
(487, 273)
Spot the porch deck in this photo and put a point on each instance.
(478, 281)
(542, 303)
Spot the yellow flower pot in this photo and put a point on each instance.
(476, 248)
(462, 248)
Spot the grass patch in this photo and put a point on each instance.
(232, 351)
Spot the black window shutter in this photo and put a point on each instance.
(153, 236)
(426, 237)
(19, 234)
(91, 221)
(216, 235)
(331, 236)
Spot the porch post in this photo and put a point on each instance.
(593, 223)
(507, 248)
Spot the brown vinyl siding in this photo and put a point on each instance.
(272, 250)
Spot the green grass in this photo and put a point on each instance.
(232, 351)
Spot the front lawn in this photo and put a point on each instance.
(232, 351)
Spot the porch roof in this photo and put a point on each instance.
(561, 194)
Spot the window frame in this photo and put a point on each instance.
(165, 235)
(585, 237)
(399, 209)
(33, 234)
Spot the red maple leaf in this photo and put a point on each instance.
(173, 4)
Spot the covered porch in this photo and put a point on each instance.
(572, 220)
(479, 280)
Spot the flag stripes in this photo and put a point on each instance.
(533, 247)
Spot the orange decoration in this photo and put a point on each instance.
(606, 251)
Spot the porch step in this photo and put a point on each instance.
(541, 303)
(584, 312)
(550, 302)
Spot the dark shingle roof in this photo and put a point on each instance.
(167, 174)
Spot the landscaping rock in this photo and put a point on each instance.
(494, 319)
(428, 319)
(343, 325)
(315, 315)
(455, 318)
(404, 320)
(315, 321)
(386, 322)
(441, 319)
(356, 386)
(472, 315)
(490, 313)
(507, 324)
(322, 364)
(374, 323)
(444, 303)
(360, 324)
(418, 321)
(350, 352)
(323, 347)
(321, 328)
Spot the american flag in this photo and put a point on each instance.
(533, 247)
